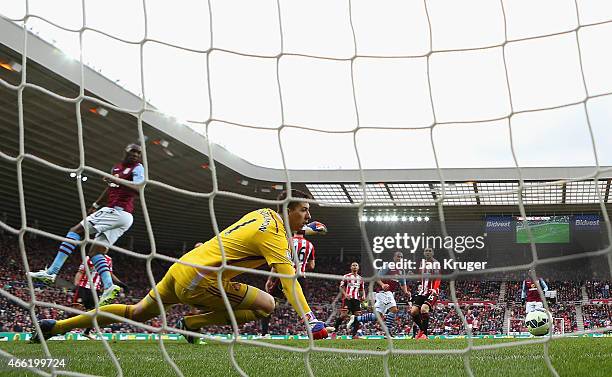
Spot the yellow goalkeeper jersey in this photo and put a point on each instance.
(258, 237)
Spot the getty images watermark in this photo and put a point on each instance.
(411, 243)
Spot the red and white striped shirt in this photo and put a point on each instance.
(305, 251)
(429, 284)
(353, 285)
(95, 277)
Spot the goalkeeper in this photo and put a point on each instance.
(258, 238)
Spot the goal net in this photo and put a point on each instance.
(422, 96)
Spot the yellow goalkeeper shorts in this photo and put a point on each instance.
(206, 295)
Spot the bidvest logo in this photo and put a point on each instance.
(586, 222)
(499, 224)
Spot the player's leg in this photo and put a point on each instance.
(341, 314)
(110, 227)
(390, 319)
(277, 292)
(425, 309)
(248, 304)
(415, 311)
(88, 302)
(380, 306)
(48, 275)
(144, 310)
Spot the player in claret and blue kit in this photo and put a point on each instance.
(530, 295)
(106, 223)
(384, 302)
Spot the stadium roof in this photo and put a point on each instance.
(387, 118)
(178, 156)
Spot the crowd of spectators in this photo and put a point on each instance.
(472, 290)
(597, 290)
(567, 291)
(321, 293)
(597, 315)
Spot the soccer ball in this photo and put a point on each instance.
(538, 322)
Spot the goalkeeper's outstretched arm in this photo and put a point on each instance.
(295, 296)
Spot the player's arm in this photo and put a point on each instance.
(137, 178)
(274, 246)
(313, 228)
(77, 277)
(96, 204)
(342, 290)
(270, 282)
(294, 294)
(543, 285)
(523, 292)
(383, 285)
(311, 264)
(363, 293)
(404, 286)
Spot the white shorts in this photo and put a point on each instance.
(531, 306)
(108, 224)
(384, 301)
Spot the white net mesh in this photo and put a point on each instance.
(441, 114)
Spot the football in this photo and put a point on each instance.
(538, 322)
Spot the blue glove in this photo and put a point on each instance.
(314, 228)
(318, 329)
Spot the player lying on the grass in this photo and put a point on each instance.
(352, 290)
(530, 295)
(257, 238)
(384, 302)
(426, 299)
(107, 223)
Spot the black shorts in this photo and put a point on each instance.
(430, 300)
(84, 297)
(352, 305)
(277, 290)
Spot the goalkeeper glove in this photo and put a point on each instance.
(314, 228)
(318, 329)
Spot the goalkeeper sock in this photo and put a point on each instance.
(101, 266)
(198, 321)
(425, 322)
(64, 251)
(368, 317)
(390, 321)
(84, 321)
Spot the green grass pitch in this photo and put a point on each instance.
(570, 356)
(545, 233)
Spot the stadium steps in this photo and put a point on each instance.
(502, 292)
(507, 320)
(579, 317)
(585, 296)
